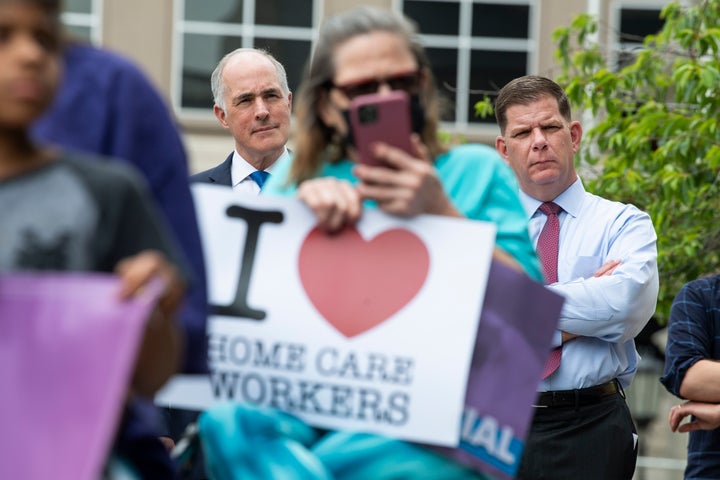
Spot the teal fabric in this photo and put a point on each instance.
(359, 456)
(119, 469)
(475, 177)
(249, 442)
(243, 441)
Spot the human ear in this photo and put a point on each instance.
(501, 146)
(220, 115)
(575, 135)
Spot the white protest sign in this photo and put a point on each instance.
(369, 330)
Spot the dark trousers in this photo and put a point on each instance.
(590, 442)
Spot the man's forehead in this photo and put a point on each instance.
(251, 83)
(251, 78)
(534, 112)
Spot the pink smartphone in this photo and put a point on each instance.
(380, 118)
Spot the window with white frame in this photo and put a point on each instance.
(634, 21)
(82, 19)
(475, 46)
(206, 31)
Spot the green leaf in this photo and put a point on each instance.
(654, 140)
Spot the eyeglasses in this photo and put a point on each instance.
(408, 82)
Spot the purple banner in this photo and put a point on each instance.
(517, 323)
(67, 348)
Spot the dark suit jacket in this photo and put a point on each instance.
(219, 175)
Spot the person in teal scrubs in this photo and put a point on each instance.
(367, 51)
(359, 52)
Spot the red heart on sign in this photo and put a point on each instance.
(357, 284)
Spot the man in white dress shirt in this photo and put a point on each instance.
(252, 101)
(605, 265)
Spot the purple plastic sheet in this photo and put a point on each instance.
(517, 323)
(67, 348)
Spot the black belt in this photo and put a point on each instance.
(577, 397)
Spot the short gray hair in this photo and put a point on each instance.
(216, 82)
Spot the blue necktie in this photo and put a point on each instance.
(259, 176)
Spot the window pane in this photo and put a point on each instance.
(202, 52)
(200, 56)
(490, 71)
(635, 24)
(78, 6)
(639, 23)
(78, 32)
(226, 11)
(505, 21)
(291, 53)
(444, 66)
(439, 18)
(289, 13)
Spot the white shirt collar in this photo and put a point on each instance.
(570, 200)
(240, 168)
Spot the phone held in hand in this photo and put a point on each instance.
(380, 118)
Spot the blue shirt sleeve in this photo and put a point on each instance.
(692, 330)
(616, 307)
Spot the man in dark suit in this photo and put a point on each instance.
(252, 101)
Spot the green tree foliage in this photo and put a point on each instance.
(652, 138)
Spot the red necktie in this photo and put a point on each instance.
(547, 250)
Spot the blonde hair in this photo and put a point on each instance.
(317, 143)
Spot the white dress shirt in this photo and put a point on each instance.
(608, 311)
(240, 173)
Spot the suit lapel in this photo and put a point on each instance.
(221, 174)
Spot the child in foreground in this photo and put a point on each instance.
(61, 212)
